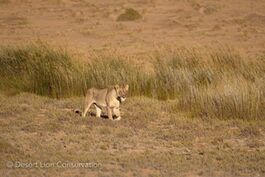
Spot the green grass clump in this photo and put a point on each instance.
(37, 68)
(129, 15)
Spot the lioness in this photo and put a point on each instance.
(110, 98)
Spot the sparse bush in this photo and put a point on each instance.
(4, 1)
(129, 15)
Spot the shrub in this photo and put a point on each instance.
(129, 15)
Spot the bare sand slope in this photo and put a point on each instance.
(91, 24)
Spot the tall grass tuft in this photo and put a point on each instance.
(178, 70)
(236, 90)
(217, 83)
(110, 70)
(37, 68)
(213, 83)
(236, 98)
(41, 69)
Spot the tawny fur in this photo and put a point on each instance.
(109, 98)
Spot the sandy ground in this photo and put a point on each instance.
(154, 141)
(91, 25)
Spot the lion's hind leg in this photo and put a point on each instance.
(87, 106)
(98, 111)
(88, 102)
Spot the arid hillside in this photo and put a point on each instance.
(93, 25)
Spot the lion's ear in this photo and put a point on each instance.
(126, 87)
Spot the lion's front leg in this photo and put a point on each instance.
(110, 113)
(117, 113)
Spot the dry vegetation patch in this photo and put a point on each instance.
(4, 2)
(130, 14)
(208, 83)
(148, 139)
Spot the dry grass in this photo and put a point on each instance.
(41, 69)
(16, 20)
(151, 141)
(234, 98)
(218, 83)
(209, 83)
(37, 68)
